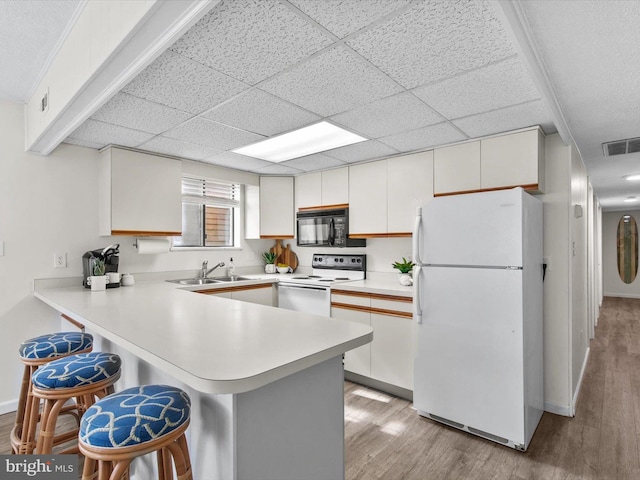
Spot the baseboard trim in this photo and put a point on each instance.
(621, 295)
(574, 402)
(564, 410)
(8, 407)
(379, 385)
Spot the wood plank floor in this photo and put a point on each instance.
(386, 439)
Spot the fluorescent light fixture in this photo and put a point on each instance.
(304, 141)
(630, 199)
(633, 177)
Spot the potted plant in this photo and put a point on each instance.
(98, 281)
(405, 268)
(270, 260)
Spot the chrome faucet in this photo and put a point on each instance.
(206, 272)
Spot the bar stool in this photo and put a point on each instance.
(85, 377)
(132, 423)
(34, 353)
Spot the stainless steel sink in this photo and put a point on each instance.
(194, 281)
(232, 278)
(208, 281)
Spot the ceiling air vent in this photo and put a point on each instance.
(621, 147)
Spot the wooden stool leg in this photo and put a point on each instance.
(89, 471)
(181, 459)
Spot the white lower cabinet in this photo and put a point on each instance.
(263, 294)
(389, 357)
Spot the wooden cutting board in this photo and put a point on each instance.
(285, 256)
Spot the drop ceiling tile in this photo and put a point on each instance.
(264, 34)
(343, 17)
(181, 83)
(362, 151)
(133, 112)
(435, 40)
(390, 115)
(259, 112)
(424, 138)
(495, 86)
(107, 134)
(332, 82)
(83, 143)
(506, 119)
(239, 162)
(205, 132)
(177, 148)
(277, 169)
(316, 161)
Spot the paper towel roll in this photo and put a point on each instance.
(147, 246)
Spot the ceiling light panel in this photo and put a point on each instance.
(433, 41)
(332, 82)
(315, 138)
(260, 112)
(635, 177)
(178, 82)
(261, 33)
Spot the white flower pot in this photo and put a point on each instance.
(270, 268)
(405, 279)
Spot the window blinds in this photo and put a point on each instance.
(210, 192)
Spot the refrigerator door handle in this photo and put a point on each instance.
(416, 236)
(417, 301)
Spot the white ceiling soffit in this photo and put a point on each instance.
(166, 22)
(408, 75)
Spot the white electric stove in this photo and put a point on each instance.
(312, 293)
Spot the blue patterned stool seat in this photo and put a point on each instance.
(55, 345)
(134, 416)
(77, 370)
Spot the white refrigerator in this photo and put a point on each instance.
(478, 312)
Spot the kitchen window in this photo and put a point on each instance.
(210, 213)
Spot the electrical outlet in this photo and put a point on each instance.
(44, 102)
(60, 260)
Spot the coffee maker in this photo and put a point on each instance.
(109, 255)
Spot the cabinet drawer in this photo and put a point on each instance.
(392, 305)
(361, 300)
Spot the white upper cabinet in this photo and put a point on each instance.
(368, 199)
(139, 194)
(409, 185)
(322, 189)
(383, 195)
(513, 160)
(276, 207)
(335, 186)
(456, 168)
(309, 190)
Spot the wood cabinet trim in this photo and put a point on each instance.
(324, 207)
(237, 288)
(380, 235)
(533, 187)
(73, 322)
(377, 296)
(378, 311)
(144, 233)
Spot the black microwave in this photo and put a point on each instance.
(326, 228)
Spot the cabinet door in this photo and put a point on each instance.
(456, 168)
(276, 207)
(513, 160)
(263, 295)
(357, 360)
(309, 190)
(392, 350)
(409, 185)
(368, 198)
(142, 194)
(335, 186)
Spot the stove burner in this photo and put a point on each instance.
(326, 280)
(313, 276)
(341, 278)
(300, 278)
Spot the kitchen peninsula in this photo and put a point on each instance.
(266, 384)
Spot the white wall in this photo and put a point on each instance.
(613, 286)
(47, 205)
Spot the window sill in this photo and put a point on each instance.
(209, 249)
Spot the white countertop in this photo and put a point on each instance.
(215, 345)
(382, 286)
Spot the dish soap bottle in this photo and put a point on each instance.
(232, 269)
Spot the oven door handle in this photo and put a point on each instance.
(302, 287)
